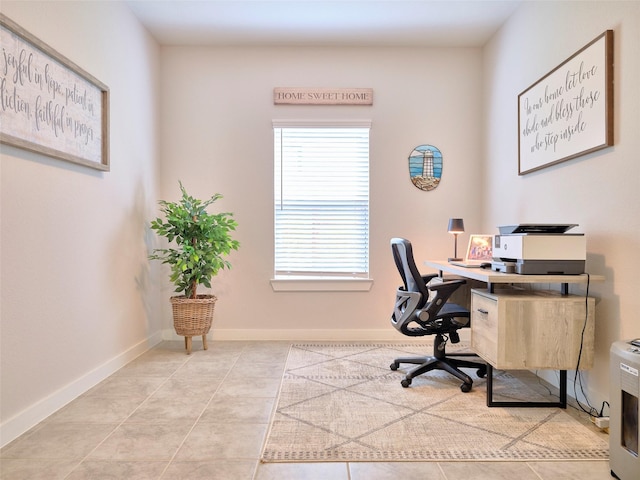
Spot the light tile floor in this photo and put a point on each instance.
(168, 415)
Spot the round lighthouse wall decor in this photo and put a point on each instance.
(425, 167)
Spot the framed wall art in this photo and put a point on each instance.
(425, 167)
(569, 111)
(49, 104)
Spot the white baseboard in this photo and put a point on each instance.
(311, 335)
(34, 414)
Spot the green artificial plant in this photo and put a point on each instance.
(202, 240)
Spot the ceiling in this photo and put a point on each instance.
(458, 23)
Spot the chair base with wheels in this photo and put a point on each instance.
(440, 361)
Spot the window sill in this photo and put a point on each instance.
(306, 284)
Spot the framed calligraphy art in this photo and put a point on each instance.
(569, 111)
(48, 104)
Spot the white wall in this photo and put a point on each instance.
(217, 109)
(75, 298)
(600, 191)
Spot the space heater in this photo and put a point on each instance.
(623, 418)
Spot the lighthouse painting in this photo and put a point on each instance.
(425, 167)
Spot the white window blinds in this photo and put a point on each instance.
(321, 200)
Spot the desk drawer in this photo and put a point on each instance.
(521, 329)
(484, 327)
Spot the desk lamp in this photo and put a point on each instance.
(456, 227)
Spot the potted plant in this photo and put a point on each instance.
(200, 241)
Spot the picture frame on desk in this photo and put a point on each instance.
(569, 111)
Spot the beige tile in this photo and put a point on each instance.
(265, 356)
(238, 386)
(263, 369)
(211, 470)
(159, 409)
(209, 441)
(395, 470)
(302, 471)
(58, 441)
(196, 347)
(175, 346)
(487, 471)
(230, 348)
(139, 441)
(112, 469)
(94, 409)
(267, 346)
(189, 386)
(142, 368)
(583, 470)
(166, 351)
(217, 368)
(238, 410)
(23, 469)
(115, 386)
(218, 351)
(265, 352)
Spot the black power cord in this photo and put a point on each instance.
(591, 411)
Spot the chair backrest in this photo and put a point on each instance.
(403, 256)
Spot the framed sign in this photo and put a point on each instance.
(569, 111)
(425, 167)
(48, 104)
(322, 96)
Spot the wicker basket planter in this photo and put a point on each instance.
(193, 317)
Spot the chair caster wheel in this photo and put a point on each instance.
(405, 383)
(465, 387)
(481, 372)
(393, 366)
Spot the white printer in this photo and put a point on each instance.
(539, 249)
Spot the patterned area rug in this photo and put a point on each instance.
(343, 403)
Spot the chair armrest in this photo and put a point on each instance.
(448, 286)
(429, 277)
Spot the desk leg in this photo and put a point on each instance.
(562, 403)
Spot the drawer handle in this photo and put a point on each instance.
(482, 311)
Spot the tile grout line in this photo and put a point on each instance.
(534, 471)
(274, 409)
(201, 413)
(128, 416)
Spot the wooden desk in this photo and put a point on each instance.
(516, 329)
(490, 277)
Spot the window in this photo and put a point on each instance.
(321, 197)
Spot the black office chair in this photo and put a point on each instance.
(415, 314)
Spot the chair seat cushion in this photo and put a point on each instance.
(461, 315)
(453, 309)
